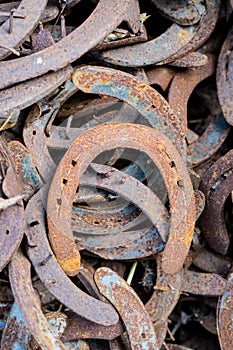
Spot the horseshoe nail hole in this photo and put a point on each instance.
(7, 232)
(34, 223)
(59, 201)
(119, 220)
(64, 181)
(180, 183)
(49, 283)
(73, 162)
(96, 222)
(143, 335)
(153, 106)
(172, 164)
(34, 132)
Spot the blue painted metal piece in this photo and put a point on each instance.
(16, 334)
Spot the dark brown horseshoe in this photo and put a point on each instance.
(185, 82)
(217, 185)
(225, 77)
(66, 50)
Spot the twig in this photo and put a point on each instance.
(5, 203)
(10, 49)
(131, 273)
(2, 127)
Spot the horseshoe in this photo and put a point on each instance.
(51, 274)
(217, 185)
(32, 10)
(225, 77)
(12, 218)
(139, 327)
(66, 50)
(24, 294)
(65, 183)
(25, 94)
(182, 12)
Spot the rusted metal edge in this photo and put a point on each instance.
(204, 30)
(49, 13)
(153, 51)
(132, 190)
(224, 317)
(217, 184)
(184, 83)
(203, 283)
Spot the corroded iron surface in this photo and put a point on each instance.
(116, 177)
